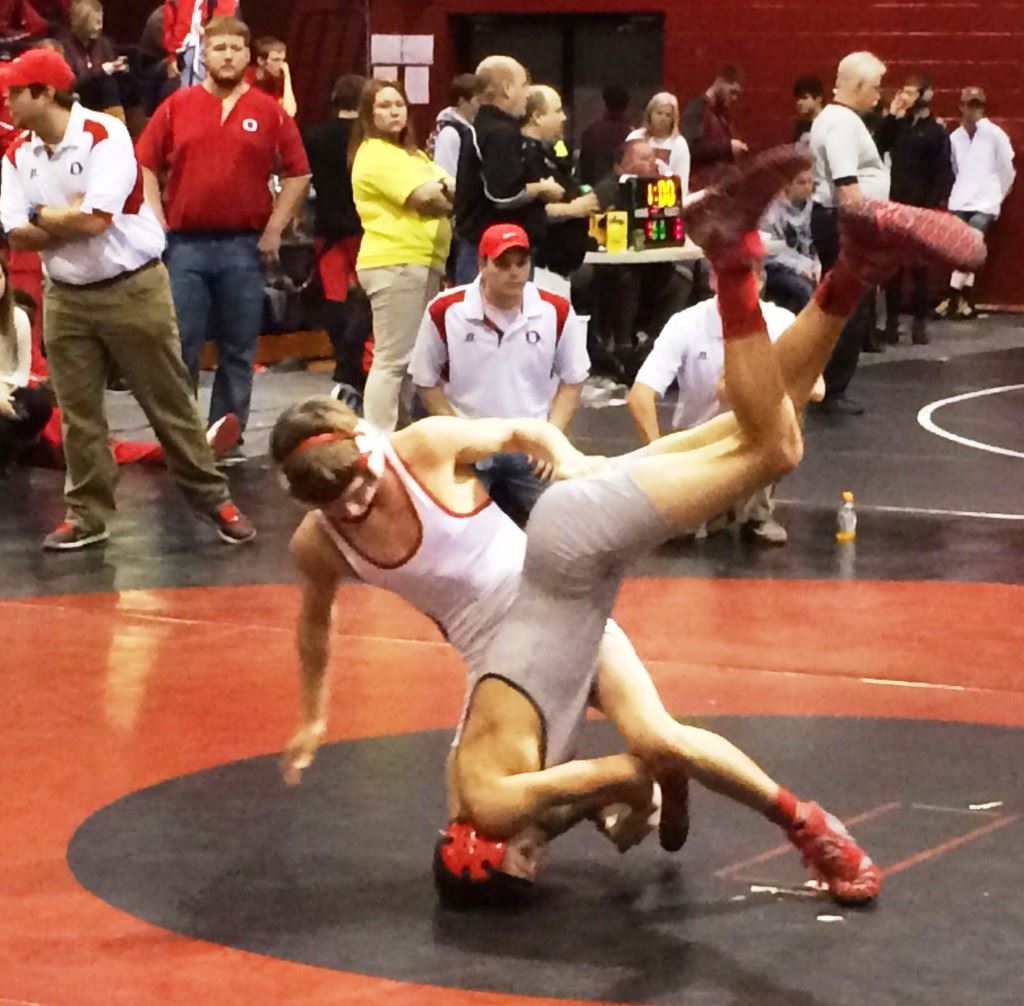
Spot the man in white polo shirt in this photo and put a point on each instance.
(983, 167)
(847, 165)
(690, 353)
(72, 190)
(502, 348)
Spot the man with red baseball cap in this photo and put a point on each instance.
(72, 191)
(502, 348)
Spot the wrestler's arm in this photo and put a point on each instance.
(321, 569)
(503, 806)
(467, 441)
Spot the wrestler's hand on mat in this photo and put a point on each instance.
(301, 750)
(625, 826)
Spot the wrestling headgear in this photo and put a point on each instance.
(468, 871)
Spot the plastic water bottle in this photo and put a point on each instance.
(846, 519)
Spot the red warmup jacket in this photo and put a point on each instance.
(178, 18)
(18, 16)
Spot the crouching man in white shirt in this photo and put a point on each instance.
(501, 348)
(690, 353)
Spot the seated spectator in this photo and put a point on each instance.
(492, 184)
(24, 409)
(794, 271)
(102, 80)
(404, 200)
(502, 348)
(661, 129)
(707, 127)
(690, 353)
(454, 124)
(630, 299)
(809, 95)
(151, 71)
(601, 139)
(338, 231)
(566, 237)
(20, 19)
(271, 73)
(183, 45)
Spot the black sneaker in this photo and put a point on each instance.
(67, 536)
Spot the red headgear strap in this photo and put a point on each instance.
(468, 850)
(320, 438)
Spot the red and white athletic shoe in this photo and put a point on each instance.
(674, 826)
(224, 434)
(834, 857)
(879, 237)
(720, 217)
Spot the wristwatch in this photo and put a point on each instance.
(33, 215)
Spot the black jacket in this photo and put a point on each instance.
(492, 178)
(335, 209)
(563, 243)
(922, 165)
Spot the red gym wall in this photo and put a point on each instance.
(955, 43)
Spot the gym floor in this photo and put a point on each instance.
(150, 853)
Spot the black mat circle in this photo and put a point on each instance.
(336, 874)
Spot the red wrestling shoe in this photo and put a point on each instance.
(879, 237)
(674, 826)
(834, 857)
(725, 212)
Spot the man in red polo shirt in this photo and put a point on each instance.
(219, 143)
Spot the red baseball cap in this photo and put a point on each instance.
(37, 66)
(498, 238)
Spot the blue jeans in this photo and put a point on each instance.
(219, 279)
(510, 482)
(787, 288)
(466, 264)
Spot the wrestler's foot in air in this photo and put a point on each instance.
(726, 211)
(879, 237)
(834, 857)
(674, 826)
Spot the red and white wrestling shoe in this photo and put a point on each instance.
(674, 826)
(723, 213)
(879, 237)
(834, 857)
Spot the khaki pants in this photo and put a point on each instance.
(398, 296)
(131, 322)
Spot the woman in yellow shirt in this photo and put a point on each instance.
(404, 201)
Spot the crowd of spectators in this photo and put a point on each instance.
(494, 205)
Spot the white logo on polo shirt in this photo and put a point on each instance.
(250, 125)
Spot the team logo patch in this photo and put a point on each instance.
(250, 125)
(76, 168)
(532, 338)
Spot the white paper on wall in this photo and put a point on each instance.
(417, 84)
(386, 49)
(418, 49)
(385, 73)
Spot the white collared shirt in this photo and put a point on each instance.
(983, 165)
(691, 352)
(96, 161)
(494, 367)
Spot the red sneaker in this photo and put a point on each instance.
(674, 827)
(728, 210)
(879, 237)
(834, 857)
(232, 525)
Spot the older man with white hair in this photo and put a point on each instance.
(847, 166)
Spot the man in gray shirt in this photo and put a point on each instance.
(847, 166)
